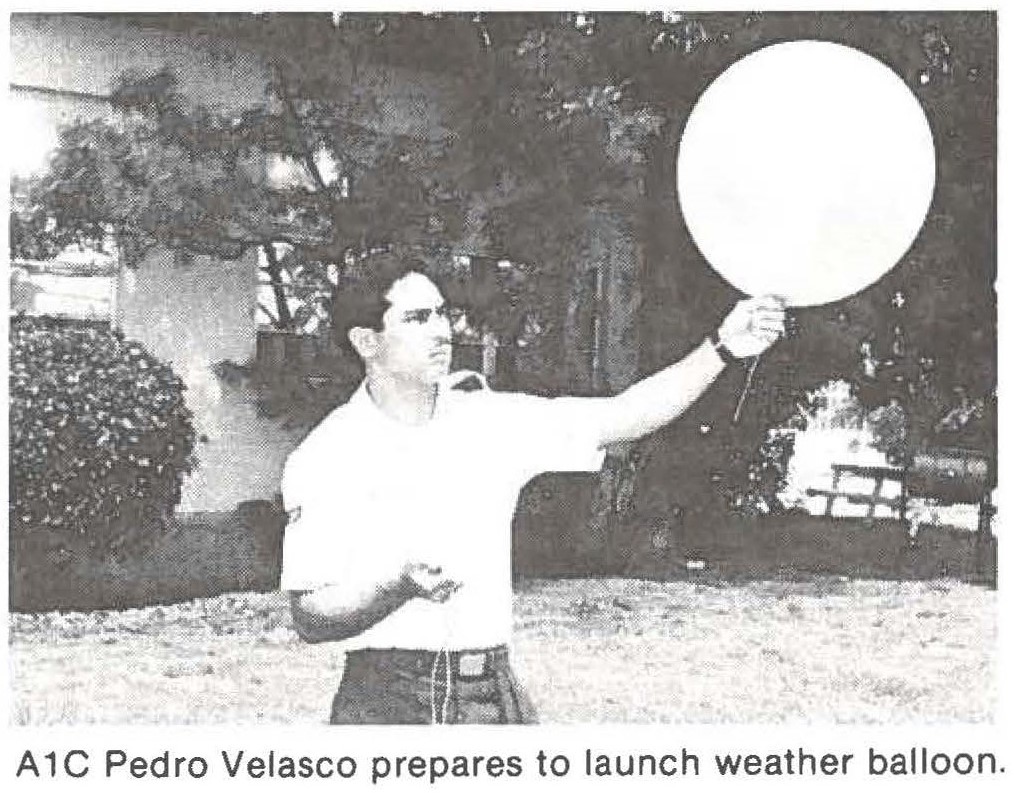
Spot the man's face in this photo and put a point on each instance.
(415, 340)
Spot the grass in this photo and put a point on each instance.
(828, 649)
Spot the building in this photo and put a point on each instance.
(196, 311)
(189, 311)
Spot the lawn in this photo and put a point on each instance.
(827, 649)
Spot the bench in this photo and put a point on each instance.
(947, 475)
(879, 474)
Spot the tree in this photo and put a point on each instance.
(521, 158)
(545, 119)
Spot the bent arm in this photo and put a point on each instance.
(340, 611)
(336, 612)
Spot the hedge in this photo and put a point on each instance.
(100, 439)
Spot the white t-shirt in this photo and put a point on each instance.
(366, 494)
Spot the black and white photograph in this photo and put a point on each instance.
(506, 367)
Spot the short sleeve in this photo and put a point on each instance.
(329, 535)
(303, 566)
(553, 434)
(303, 559)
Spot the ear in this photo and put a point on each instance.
(364, 341)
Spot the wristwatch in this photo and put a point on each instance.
(723, 351)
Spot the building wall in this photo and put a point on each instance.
(192, 312)
(86, 55)
(195, 312)
(34, 117)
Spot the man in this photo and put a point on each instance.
(401, 500)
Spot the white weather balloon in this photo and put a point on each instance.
(805, 170)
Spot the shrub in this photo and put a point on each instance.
(100, 439)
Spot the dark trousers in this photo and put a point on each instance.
(411, 687)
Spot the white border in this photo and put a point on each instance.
(364, 742)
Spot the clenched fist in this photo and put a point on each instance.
(752, 326)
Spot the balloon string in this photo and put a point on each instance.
(746, 388)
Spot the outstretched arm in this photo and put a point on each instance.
(751, 327)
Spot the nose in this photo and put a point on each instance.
(439, 326)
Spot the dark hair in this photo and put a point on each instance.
(361, 297)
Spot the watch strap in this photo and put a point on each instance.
(723, 351)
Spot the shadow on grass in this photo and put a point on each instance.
(788, 546)
(805, 545)
(196, 555)
(206, 554)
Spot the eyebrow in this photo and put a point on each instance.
(415, 313)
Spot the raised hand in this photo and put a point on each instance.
(753, 325)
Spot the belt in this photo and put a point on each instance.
(463, 665)
(470, 663)
(484, 672)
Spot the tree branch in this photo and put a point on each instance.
(293, 114)
(274, 271)
(271, 317)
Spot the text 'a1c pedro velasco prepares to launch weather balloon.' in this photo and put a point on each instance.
(239, 763)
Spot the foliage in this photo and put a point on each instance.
(100, 438)
(919, 392)
(764, 477)
(947, 305)
(546, 118)
(533, 135)
(298, 393)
